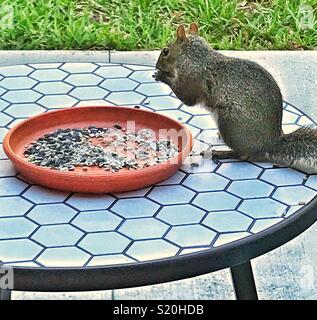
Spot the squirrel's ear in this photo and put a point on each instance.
(181, 33)
(193, 28)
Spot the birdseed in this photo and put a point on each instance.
(111, 149)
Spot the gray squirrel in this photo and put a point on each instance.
(244, 98)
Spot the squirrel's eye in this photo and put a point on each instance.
(165, 51)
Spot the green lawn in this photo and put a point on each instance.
(148, 24)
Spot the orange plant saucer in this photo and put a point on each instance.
(95, 180)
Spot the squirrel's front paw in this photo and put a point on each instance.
(157, 76)
(163, 76)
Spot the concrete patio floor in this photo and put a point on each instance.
(288, 272)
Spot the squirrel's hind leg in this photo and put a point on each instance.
(304, 165)
(219, 154)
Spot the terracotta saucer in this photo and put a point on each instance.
(96, 180)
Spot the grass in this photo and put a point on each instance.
(148, 24)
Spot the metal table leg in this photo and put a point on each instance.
(5, 294)
(243, 282)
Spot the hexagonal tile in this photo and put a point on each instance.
(83, 79)
(15, 228)
(89, 93)
(180, 214)
(195, 110)
(226, 221)
(192, 250)
(3, 132)
(3, 156)
(204, 122)
(145, 228)
(57, 235)
(154, 89)
(131, 194)
(191, 235)
(104, 243)
(312, 182)
(230, 237)
(262, 208)
(304, 121)
(78, 67)
(15, 122)
(239, 170)
(162, 103)
(174, 179)
(22, 110)
(4, 119)
(22, 264)
(109, 260)
(288, 128)
(119, 84)
(205, 182)
(250, 188)
(63, 257)
(204, 165)
(57, 101)
(17, 83)
(45, 65)
(25, 96)
(91, 221)
(211, 136)
(6, 168)
(128, 97)
(194, 131)
(2, 91)
(171, 194)
(219, 200)
(291, 108)
(13, 206)
(56, 87)
(113, 72)
(263, 224)
(51, 213)
(38, 194)
(265, 165)
(294, 195)
(18, 250)
(198, 147)
(3, 104)
(18, 70)
(11, 186)
(152, 250)
(282, 176)
(94, 103)
(84, 201)
(139, 67)
(135, 207)
(176, 115)
(48, 75)
(292, 209)
(143, 76)
(289, 117)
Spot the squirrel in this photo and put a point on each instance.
(244, 98)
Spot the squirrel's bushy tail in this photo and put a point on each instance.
(297, 150)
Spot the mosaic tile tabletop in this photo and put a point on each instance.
(196, 209)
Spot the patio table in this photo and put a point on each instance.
(208, 216)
